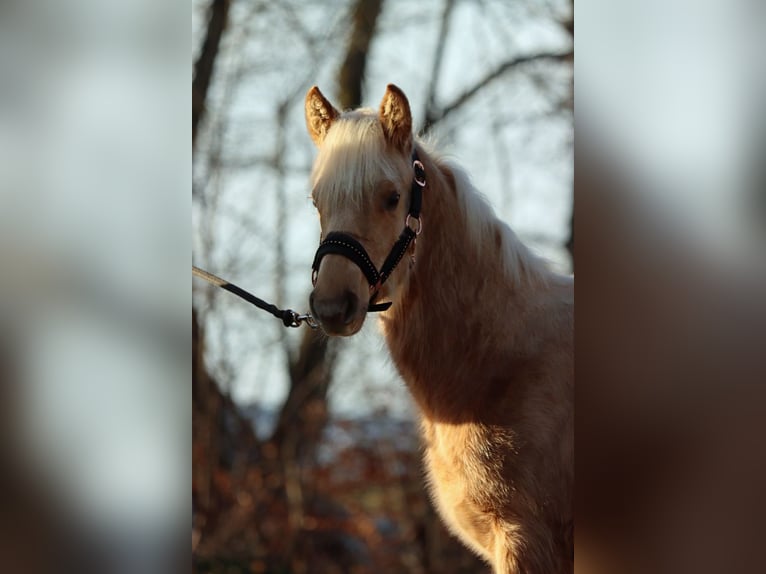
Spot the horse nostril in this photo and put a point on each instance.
(352, 305)
(335, 312)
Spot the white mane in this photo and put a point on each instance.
(519, 263)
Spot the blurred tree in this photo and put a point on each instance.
(435, 114)
(351, 77)
(305, 409)
(303, 415)
(205, 64)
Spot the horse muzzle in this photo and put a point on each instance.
(338, 315)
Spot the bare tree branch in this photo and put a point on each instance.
(438, 56)
(470, 93)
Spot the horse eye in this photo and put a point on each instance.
(392, 201)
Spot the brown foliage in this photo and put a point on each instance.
(363, 509)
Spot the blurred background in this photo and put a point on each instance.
(306, 452)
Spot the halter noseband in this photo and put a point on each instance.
(340, 243)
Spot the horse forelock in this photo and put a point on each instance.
(352, 159)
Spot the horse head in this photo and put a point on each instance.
(362, 187)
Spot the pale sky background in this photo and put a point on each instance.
(517, 154)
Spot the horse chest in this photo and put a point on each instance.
(460, 482)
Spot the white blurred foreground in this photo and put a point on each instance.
(95, 171)
(671, 314)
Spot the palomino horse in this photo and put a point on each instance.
(480, 330)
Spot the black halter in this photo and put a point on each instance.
(340, 243)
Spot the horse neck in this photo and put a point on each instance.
(451, 314)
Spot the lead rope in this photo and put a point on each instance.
(289, 317)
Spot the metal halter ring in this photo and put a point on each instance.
(420, 223)
(420, 173)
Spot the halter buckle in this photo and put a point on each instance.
(420, 173)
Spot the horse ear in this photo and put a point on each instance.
(320, 114)
(395, 117)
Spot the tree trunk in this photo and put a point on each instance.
(303, 416)
(351, 76)
(205, 64)
(304, 412)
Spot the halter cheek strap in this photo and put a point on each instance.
(340, 243)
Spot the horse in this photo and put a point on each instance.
(479, 328)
